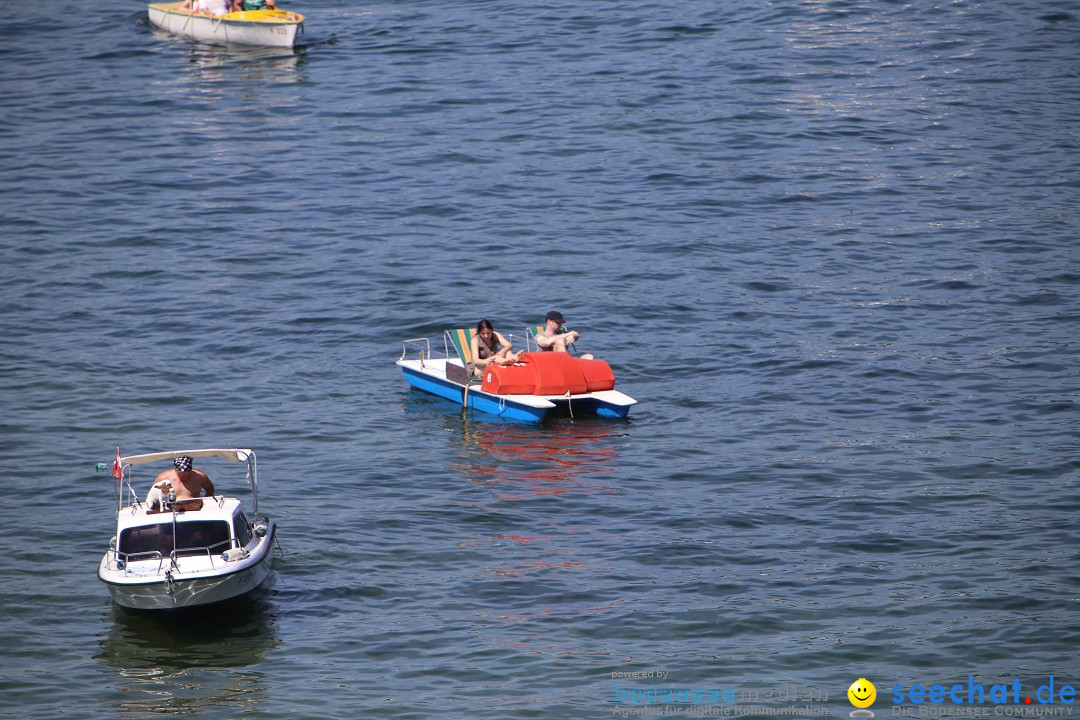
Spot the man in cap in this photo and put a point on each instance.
(556, 336)
(185, 481)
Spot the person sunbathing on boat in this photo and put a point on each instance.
(489, 346)
(184, 481)
(556, 336)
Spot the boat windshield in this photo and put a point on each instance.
(191, 538)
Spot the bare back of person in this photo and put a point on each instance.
(187, 485)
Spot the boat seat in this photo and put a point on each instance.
(530, 338)
(458, 375)
(461, 339)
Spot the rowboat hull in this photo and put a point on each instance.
(267, 28)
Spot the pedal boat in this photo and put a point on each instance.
(267, 28)
(545, 382)
(171, 558)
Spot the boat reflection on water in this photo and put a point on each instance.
(209, 62)
(187, 661)
(518, 462)
(541, 563)
(225, 62)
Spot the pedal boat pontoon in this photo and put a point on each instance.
(173, 558)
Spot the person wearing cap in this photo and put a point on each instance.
(185, 481)
(556, 336)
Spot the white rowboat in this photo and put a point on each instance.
(271, 28)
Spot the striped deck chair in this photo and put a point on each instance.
(461, 339)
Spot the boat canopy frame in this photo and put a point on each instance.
(244, 455)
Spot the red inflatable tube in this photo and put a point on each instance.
(548, 373)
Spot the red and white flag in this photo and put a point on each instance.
(117, 468)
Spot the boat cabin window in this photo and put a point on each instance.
(193, 537)
(243, 529)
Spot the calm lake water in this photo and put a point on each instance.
(831, 247)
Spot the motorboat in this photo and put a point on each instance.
(273, 28)
(540, 383)
(170, 554)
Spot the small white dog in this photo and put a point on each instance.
(158, 494)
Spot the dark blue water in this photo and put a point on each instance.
(831, 248)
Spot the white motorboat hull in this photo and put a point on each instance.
(178, 590)
(267, 28)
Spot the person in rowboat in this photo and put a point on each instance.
(556, 336)
(185, 481)
(240, 5)
(489, 346)
(211, 7)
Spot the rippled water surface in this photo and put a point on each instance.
(831, 248)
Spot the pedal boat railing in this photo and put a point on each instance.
(422, 346)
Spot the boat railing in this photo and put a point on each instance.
(123, 493)
(420, 345)
(209, 551)
(122, 561)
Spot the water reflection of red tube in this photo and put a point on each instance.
(542, 464)
(522, 462)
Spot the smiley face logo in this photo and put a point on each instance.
(862, 693)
